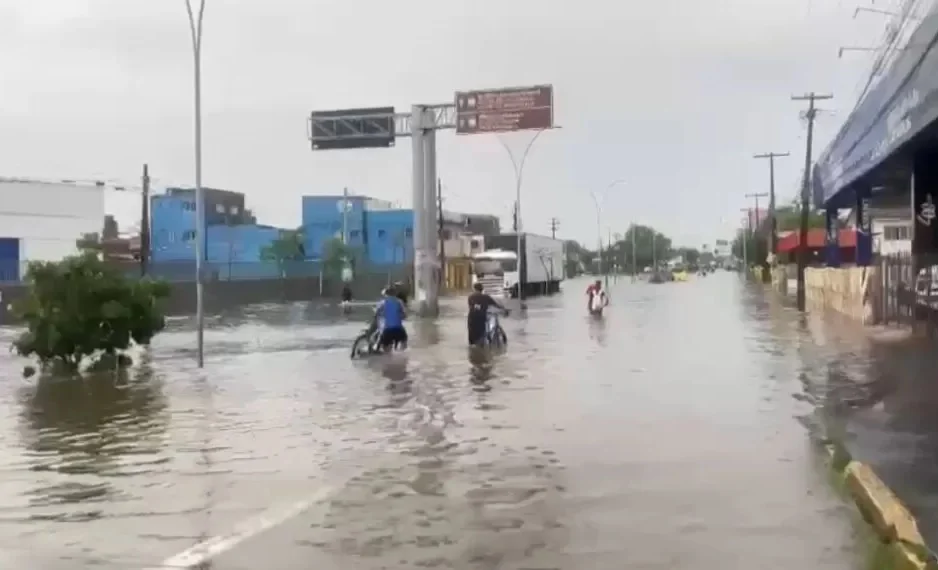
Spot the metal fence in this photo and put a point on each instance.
(908, 289)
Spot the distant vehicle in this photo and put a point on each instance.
(497, 266)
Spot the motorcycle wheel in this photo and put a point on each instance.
(500, 337)
(360, 346)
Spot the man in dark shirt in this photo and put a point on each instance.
(477, 320)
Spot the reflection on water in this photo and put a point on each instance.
(587, 443)
(81, 437)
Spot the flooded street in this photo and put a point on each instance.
(674, 433)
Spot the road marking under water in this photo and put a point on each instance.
(245, 530)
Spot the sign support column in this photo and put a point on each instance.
(430, 221)
(416, 136)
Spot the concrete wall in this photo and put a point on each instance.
(225, 295)
(849, 291)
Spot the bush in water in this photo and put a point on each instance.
(80, 307)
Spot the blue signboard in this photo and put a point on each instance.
(899, 107)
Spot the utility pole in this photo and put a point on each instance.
(554, 224)
(439, 211)
(773, 238)
(634, 230)
(654, 250)
(806, 191)
(608, 256)
(145, 222)
(745, 240)
(345, 208)
(755, 196)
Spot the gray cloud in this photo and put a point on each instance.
(672, 95)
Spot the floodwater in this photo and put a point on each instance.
(674, 433)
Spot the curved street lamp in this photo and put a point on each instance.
(519, 173)
(599, 227)
(195, 28)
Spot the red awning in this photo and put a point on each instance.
(817, 239)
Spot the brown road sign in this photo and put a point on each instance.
(500, 110)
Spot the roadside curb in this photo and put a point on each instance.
(892, 522)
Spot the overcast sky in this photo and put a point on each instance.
(672, 96)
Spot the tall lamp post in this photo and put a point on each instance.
(195, 28)
(519, 172)
(599, 231)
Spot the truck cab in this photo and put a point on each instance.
(497, 271)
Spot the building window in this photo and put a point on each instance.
(354, 234)
(409, 232)
(188, 235)
(188, 206)
(382, 234)
(896, 233)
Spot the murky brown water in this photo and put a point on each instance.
(664, 436)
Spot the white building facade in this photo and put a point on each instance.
(42, 221)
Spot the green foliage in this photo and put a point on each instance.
(757, 246)
(689, 255)
(335, 255)
(789, 219)
(80, 307)
(650, 245)
(287, 247)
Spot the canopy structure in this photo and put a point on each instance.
(899, 108)
(817, 238)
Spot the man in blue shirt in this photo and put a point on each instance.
(392, 310)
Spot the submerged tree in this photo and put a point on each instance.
(287, 247)
(336, 256)
(81, 308)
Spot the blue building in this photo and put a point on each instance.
(234, 242)
(383, 233)
(390, 236)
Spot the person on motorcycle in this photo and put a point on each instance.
(401, 291)
(477, 319)
(392, 310)
(596, 298)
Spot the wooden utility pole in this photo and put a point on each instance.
(764, 263)
(773, 238)
(811, 98)
(145, 222)
(746, 236)
(554, 225)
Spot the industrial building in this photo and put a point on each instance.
(43, 220)
(234, 242)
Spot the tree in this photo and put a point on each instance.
(287, 247)
(690, 255)
(650, 245)
(756, 246)
(81, 308)
(336, 254)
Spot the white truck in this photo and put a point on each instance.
(542, 266)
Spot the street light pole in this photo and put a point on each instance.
(599, 227)
(519, 172)
(195, 27)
